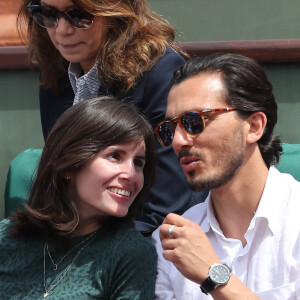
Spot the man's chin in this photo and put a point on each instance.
(200, 185)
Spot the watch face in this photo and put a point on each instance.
(220, 274)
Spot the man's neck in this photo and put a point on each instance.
(235, 203)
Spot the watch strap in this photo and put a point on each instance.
(207, 286)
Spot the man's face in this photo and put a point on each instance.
(210, 159)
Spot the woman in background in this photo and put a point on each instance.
(74, 239)
(87, 48)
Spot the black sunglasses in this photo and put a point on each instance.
(192, 122)
(47, 16)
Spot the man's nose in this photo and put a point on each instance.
(181, 139)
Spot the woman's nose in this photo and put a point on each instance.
(129, 171)
(63, 26)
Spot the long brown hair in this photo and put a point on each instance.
(136, 38)
(78, 135)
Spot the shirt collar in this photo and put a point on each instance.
(209, 221)
(268, 207)
(91, 78)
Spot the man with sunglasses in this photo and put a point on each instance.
(243, 241)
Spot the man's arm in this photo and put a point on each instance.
(191, 252)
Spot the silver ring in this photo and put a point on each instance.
(171, 230)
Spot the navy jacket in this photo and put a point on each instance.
(171, 192)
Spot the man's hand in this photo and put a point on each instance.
(188, 248)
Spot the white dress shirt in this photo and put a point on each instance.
(270, 262)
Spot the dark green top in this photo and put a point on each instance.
(119, 263)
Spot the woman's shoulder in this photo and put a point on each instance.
(136, 250)
(6, 238)
(159, 77)
(170, 59)
(17, 252)
(128, 233)
(172, 53)
(4, 228)
(130, 240)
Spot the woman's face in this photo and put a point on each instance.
(77, 45)
(108, 184)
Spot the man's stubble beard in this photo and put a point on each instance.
(228, 167)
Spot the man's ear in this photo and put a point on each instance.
(257, 124)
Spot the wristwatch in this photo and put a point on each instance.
(218, 274)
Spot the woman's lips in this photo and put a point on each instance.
(69, 46)
(122, 194)
(189, 163)
(120, 191)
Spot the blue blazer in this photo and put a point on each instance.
(171, 192)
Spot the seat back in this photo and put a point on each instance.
(20, 175)
(290, 160)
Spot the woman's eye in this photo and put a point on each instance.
(139, 163)
(114, 155)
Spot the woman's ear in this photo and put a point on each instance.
(257, 124)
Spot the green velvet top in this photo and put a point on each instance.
(118, 263)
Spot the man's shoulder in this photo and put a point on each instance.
(280, 203)
(281, 180)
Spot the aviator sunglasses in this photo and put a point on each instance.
(47, 16)
(192, 122)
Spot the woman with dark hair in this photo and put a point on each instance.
(87, 48)
(74, 239)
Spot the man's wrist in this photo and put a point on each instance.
(218, 275)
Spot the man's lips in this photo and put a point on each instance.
(188, 163)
